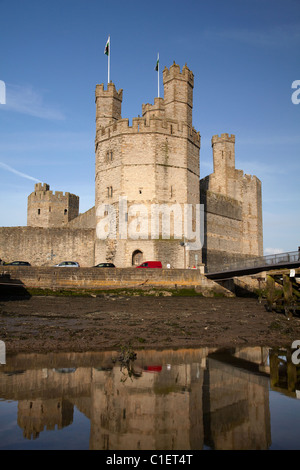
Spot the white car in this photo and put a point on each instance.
(67, 264)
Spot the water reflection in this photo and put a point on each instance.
(164, 400)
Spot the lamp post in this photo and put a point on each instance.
(184, 244)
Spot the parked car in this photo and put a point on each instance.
(105, 265)
(67, 264)
(150, 264)
(18, 263)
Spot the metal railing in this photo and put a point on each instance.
(260, 261)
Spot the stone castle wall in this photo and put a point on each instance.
(233, 209)
(85, 220)
(48, 209)
(154, 161)
(47, 246)
(107, 278)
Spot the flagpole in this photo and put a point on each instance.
(158, 75)
(108, 75)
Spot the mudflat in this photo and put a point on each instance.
(41, 324)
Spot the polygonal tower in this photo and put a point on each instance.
(151, 166)
(233, 209)
(47, 209)
(178, 94)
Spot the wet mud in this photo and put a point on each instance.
(78, 324)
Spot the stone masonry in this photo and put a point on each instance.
(48, 209)
(147, 175)
(154, 162)
(233, 209)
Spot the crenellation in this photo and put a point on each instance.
(174, 72)
(109, 92)
(155, 160)
(223, 138)
(229, 182)
(41, 187)
(47, 209)
(170, 127)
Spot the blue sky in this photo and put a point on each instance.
(244, 55)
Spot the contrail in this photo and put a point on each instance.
(19, 173)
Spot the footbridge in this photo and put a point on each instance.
(256, 265)
(281, 279)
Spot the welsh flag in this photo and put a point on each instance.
(157, 64)
(106, 50)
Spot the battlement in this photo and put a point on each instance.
(153, 124)
(251, 180)
(46, 208)
(108, 104)
(41, 187)
(154, 110)
(42, 192)
(111, 92)
(223, 138)
(174, 72)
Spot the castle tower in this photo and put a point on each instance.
(233, 207)
(178, 93)
(47, 209)
(108, 104)
(223, 161)
(153, 162)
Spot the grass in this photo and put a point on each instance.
(151, 292)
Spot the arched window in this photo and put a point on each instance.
(137, 258)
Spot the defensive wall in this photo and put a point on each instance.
(47, 246)
(233, 209)
(107, 278)
(153, 125)
(50, 209)
(153, 161)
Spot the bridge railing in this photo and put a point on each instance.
(260, 261)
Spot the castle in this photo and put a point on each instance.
(150, 203)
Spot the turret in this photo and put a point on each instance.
(224, 164)
(178, 93)
(223, 152)
(108, 104)
(48, 209)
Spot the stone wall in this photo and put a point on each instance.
(47, 246)
(233, 209)
(107, 278)
(48, 209)
(154, 161)
(85, 220)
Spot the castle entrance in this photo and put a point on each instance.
(137, 258)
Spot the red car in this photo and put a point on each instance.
(150, 264)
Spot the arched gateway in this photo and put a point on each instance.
(137, 257)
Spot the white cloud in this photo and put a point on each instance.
(273, 251)
(16, 172)
(26, 100)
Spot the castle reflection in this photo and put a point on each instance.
(166, 400)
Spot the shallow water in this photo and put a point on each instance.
(189, 399)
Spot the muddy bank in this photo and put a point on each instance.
(77, 324)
